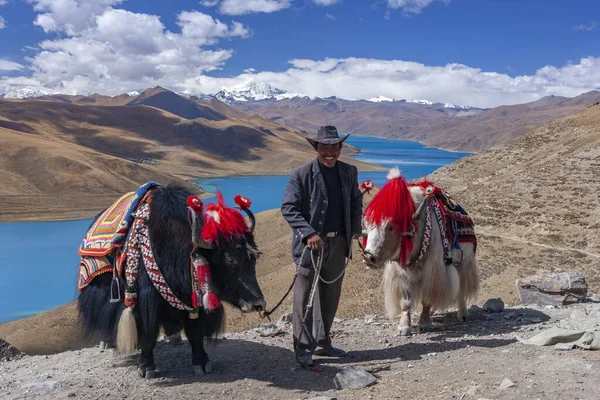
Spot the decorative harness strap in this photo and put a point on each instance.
(139, 243)
(432, 203)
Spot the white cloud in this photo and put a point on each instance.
(69, 16)
(239, 7)
(2, 23)
(590, 27)
(353, 78)
(331, 17)
(412, 6)
(2, 2)
(6, 65)
(117, 50)
(326, 2)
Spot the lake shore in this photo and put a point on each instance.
(39, 208)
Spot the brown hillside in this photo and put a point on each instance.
(80, 158)
(432, 125)
(535, 202)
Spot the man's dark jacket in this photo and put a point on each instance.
(305, 203)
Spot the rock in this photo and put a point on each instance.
(323, 398)
(472, 390)
(337, 320)
(284, 320)
(8, 352)
(269, 330)
(40, 385)
(353, 378)
(564, 346)
(579, 315)
(493, 305)
(552, 289)
(506, 383)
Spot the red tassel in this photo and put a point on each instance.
(195, 303)
(211, 301)
(364, 242)
(203, 274)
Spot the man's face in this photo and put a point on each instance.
(328, 154)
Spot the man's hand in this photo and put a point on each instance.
(314, 242)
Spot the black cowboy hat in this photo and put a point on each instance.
(327, 135)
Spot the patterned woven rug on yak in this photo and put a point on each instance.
(102, 243)
(458, 222)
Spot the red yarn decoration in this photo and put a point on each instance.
(393, 203)
(195, 204)
(221, 222)
(242, 201)
(195, 303)
(212, 302)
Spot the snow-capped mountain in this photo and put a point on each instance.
(253, 92)
(379, 99)
(133, 93)
(445, 105)
(24, 93)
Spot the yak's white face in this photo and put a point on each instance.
(383, 243)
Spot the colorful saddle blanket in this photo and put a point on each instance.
(458, 224)
(101, 247)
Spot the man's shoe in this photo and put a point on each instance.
(330, 352)
(305, 360)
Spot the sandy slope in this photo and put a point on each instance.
(77, 159)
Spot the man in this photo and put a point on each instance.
(323, 206)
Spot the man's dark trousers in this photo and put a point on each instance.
(319, 320)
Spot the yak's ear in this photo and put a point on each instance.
(195, 208)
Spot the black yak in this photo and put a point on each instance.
(179, 239)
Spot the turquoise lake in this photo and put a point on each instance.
(39, 261)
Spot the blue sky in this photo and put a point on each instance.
(475, 52)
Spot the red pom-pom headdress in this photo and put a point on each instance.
(221, 222)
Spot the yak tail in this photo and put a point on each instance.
(127, 334)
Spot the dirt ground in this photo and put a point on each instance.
(453, 361)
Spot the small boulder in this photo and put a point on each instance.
(269, 330)
(552, 289)
(506, 383)
(8, 351)
(284, 320)
(493, 305)
(353, 378)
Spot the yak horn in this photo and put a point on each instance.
(244, 204)
(252, 219)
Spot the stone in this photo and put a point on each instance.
(269, 330)
(353, 378)
(284, 320)
(8, 352)
(564, 346)
(506, 383)
(472, 390)
(493, 305)
(323, 398)
(552, 289)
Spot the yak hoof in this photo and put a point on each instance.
(203, 370)
(405, 331)
(424, 328)
(146, 373)
(103, 345)
(463, 316)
